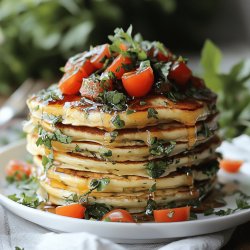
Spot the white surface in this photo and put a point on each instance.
(125, 232)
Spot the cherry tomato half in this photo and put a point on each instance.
(100, 52)
(73, 210)
(172, 214)
(180, 73)
(117, 66)
(71, 81)
(138, 83)
(231, 166)
(18, 169)
(118, 215)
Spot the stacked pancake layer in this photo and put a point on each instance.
(168, 156)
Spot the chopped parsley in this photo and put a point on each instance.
(113, 101)
(113, 135)
(95, 184)
(153, 188)
(159, 147)
(105, 152)
(156, 168)
(96, 211)
(45, 137)
(47, 161)
(117, 122)
(78, 149)
(151, 206)
(52, 118)
(152, 113)
(29, 201)
(240, 203)
(130, 111)
(51, 94)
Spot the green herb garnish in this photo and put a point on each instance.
(96, 211)
(156, 168)
(159, 147)
(152, 113)
(29, 201)
(105, 152)
(151, 206)
(117, 122)
(113, 135)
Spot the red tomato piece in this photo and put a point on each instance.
(180, 73)
(73, 210)
(164, 57)
(138, 83)
(118, 215)
(71, 81)
(117, 66)
(100, 52)
(18, 169)
(172, 214)
(231, 166)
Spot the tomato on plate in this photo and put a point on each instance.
(100, 53)
(73, 210)
(18, 169)
(138, 83)
(71, 81)
(117, 66)
(180, 73)
(231, 166)
(118, 215)
(172, 214)
(91, 88)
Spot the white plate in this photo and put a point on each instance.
(122, 232)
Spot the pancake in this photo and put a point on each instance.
(77, 162)
(128, 137)
(118, 154)
(136, 201)
(73, 111)
(107, 135)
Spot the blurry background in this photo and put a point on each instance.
(37, 37)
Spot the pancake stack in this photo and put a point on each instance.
(172, 151)
(128, 126)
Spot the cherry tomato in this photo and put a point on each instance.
(100, 52)
(117, 66)
(160, 55)
(74, 62)
(231, 166)
(18, 169)
(91, 89)
(73, 210)
(172, 214)
(180, 73)
(118, 215)
(71, 81)
(138, 83)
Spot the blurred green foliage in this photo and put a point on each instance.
(233, 89)
(36, 36)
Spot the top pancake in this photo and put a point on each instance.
(75, 112)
